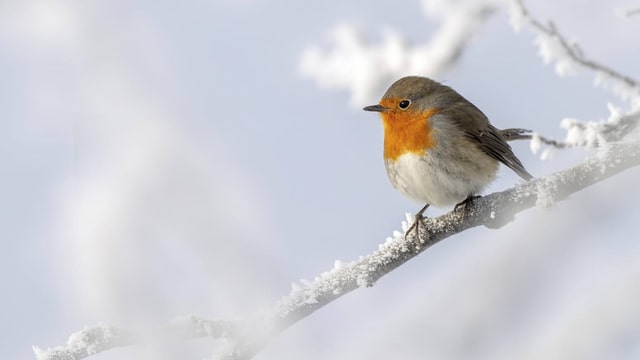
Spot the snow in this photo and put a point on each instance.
(351, 61)
(536, 143)
(344, 277)
(580, 133)
(362, 281)
(516, 17)
(549, 47)
(551, 50)
(589, 133)
(548, 153)
(619, 88)
(545, 191)
(83, 343)
(567, 56)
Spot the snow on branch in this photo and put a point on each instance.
(554, 47)
(589, 134)
(493, 211)
(245, 338)
(100, 338)
(82, 344)
(351, 61)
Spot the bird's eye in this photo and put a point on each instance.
(404, 104)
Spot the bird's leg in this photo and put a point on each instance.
(465, 204)
(416, 223)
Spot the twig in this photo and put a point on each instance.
(609, 132)
(524, 134)
(100, 338)
(572, 51)
(87, 342)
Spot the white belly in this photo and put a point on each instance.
(440, 183)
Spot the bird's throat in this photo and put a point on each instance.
(407, 132)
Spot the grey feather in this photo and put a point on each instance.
(488, 139)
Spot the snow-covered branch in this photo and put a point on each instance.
(90, 341)
(245, 338)
(100, 338)
(351, 61)
(554, 47)
(579, 133)
(493, 211)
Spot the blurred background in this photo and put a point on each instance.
(163, 158)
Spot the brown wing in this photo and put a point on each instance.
(477, 128)
(490, 141)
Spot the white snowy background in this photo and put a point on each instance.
(162, 158)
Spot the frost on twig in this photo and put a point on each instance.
(589, 134)
(579, 134)
(351, 61)
(568, 56)
(100, 338)
(85, 343)
(554, 47)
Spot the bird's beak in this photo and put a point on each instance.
(378, 108)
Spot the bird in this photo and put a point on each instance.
(439, 148)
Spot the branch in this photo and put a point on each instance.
(513, 134)
(569, 51)
(100, 338)
(250, 335)
(611, 130)
(493, 211)
(351, 61)
(85, 343)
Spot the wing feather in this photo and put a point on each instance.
(488, 139)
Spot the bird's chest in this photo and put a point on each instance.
(417, 176)
(433, 179)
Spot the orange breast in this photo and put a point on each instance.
(406, 132)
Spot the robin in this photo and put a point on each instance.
(439, 148)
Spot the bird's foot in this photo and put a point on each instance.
(415, 227)
(465, 204)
